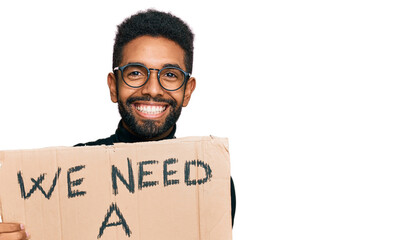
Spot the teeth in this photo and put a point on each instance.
(151, 109)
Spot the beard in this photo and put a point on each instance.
(146, 128)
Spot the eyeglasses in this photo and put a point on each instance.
(135, 75)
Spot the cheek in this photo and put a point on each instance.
(124, 93)
(178, 97)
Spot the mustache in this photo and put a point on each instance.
(131, 100)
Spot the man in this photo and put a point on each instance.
(151, 82)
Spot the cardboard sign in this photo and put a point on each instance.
(173, 189)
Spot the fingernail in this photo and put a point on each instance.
(21, 226)
(27, 235)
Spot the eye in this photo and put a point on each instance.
(170, 75)
(135, 73)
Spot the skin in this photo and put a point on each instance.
(13, 231)
(153, 52)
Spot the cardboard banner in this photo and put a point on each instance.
(172, 189)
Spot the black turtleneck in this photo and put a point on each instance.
(122, 135)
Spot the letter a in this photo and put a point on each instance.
(121, 221)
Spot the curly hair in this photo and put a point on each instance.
(156, 24)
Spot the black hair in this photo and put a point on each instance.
(156, 24)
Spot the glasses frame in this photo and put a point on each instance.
(121, 69)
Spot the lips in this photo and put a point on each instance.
(152, 110)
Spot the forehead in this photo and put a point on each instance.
(153, 52)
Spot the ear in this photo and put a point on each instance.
(190, 87)
(112, 85)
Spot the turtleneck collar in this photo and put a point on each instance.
(123, 135)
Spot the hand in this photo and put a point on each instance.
(13, 231)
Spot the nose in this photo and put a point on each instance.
(152, 86)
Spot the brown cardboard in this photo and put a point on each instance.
(197, 206)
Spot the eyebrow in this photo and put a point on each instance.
(165, 65)
(171, 65)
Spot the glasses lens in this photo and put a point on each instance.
(135, 75)
(171, 78)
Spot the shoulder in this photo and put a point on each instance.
(103, 141)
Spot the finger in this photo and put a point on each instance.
(10, 227)
(19, 235)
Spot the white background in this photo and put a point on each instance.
(316, 97)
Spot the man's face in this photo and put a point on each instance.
(150, 112)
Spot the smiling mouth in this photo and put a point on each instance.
(148, 110)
